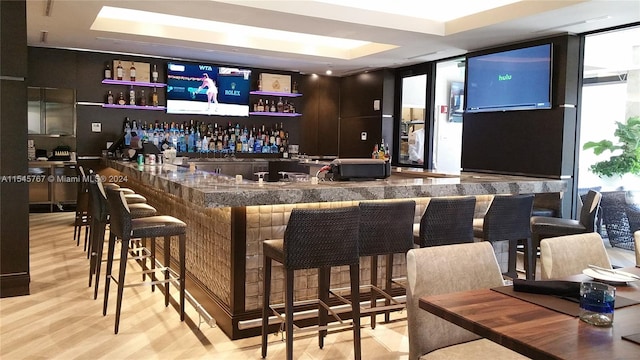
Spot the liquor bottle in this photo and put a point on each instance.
(132, 72)
(260, 105)
(154, 97)
(132, 96)
(107, 72)
(143, 98)
(280, 106)
(109, 97)
(121, 100)
(154, 74)
(381, 150)
(266, 105)
(273, 106)
(295, 88)
(127, 132)
(119, 71)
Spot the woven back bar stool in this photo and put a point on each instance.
(314, 238)
(447, 221)
(386, 228)
(508, 219)
(123, 227)
(99, 221)
(83, 215)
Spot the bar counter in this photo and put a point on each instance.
(228, 220)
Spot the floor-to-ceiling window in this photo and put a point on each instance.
(610, 93)
(448, 110)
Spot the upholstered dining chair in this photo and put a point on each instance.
(563, 256)
(447, 269)
(545, 227)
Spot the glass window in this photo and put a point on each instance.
(449, 105)
(412, 130)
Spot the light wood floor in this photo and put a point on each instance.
(60, 319)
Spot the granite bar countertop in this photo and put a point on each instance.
(217, 190)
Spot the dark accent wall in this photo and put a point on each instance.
(319, 127)
(357, 113)
(533, 142)
(83, 71)
(14, 196)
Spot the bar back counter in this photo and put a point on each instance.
(229, 218)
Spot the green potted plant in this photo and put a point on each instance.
(625, 164)
(627, 161)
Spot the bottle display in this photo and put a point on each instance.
(109, 97)
(194, 136)
(132, 96)
(121, 100)
(143, 98)
(132, 72)
(119, 71)
(154, 74)
(107, 71)
(154, 97)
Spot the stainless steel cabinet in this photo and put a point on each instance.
(57, 184)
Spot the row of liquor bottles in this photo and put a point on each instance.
(133, 98)
(273, 106)
(127, 74)
(196, 136)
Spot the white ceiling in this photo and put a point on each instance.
(415, 39)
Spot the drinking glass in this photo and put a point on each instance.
(597, 303)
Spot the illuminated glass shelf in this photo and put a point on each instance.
(268, 113)
(273, 93)
(133, 107)
(133, 83)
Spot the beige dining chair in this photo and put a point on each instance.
(563, 256)
(448, 269)
(636, 237)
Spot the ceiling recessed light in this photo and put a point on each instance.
(328, 72)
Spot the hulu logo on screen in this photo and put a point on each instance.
(505, 77)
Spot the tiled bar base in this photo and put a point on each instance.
(224, 243)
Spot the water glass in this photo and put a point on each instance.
(597, 303)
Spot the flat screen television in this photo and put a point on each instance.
(207, 89)
(517, 79)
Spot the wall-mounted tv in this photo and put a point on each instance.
(517, 79)
(207, 89)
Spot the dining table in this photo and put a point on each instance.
(540, 332)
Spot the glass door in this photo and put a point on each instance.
(412, 120)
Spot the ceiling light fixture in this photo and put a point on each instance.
(328, 72)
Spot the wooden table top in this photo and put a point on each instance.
(538, 332)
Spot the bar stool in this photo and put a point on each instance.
(314, 238)
(543, 227)
(123, 227)
(446, 221)
(507, 219)
(100, 219)
(386, 228)
(83, 216)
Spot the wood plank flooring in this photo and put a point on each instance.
(60, 319)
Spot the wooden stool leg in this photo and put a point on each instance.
(324, 279)
(124, 253)
(266, 280)
(183, 272)
(354, 271)
(167, 262)
(374, 294)
(107, 281)
(288, 309)
(388, 284)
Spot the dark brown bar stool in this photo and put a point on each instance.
(83, 216)
(314, 238)
(447, 221)
(123, 227)
(543, 227)
(99, 221)
(507, 219)
(386, 228)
